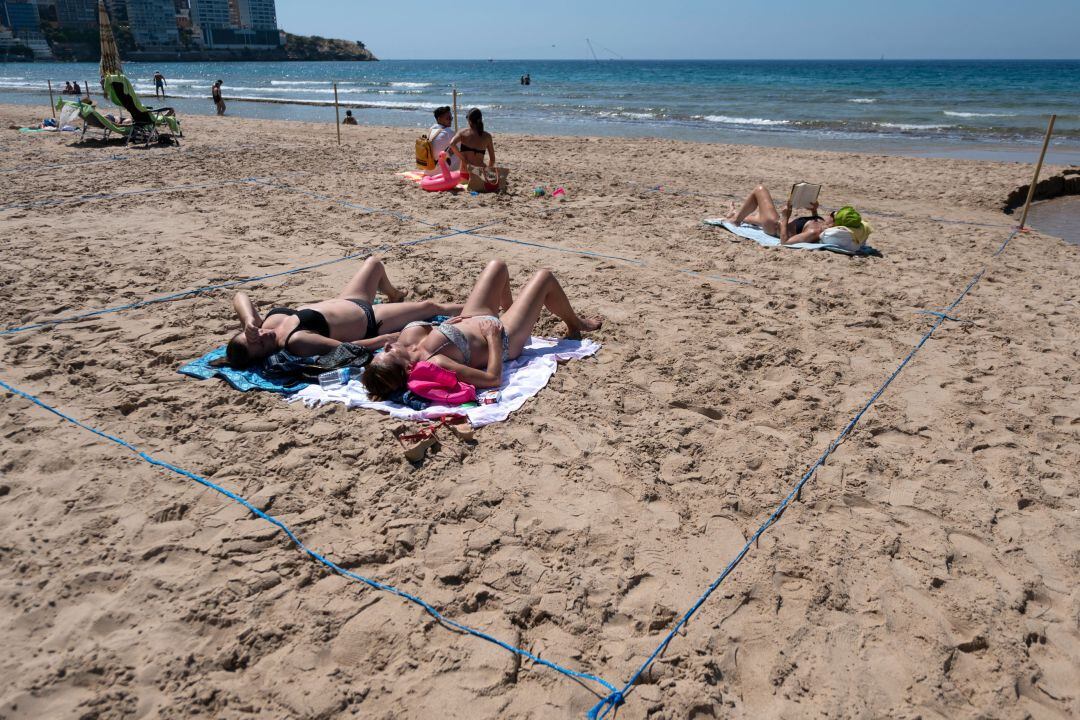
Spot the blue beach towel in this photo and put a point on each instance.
(753, 232)
(242, 380)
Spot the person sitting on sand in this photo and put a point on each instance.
(440, 135)
(472, 142)
(760, 209)
(318, 328)
(475, 344)
(349, 119)
(68, 90)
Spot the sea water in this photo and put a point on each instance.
(978, 109)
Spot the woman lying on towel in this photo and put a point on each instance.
(476, 344)
(318, 328)
(844, 228)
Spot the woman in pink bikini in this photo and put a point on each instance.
(475, 344)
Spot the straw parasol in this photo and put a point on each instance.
(110, 56)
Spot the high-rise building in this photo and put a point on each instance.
(257, 14)
(153, 23)
(20, 17)
(76, 13)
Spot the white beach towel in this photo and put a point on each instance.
(522, 379)
(753, 232)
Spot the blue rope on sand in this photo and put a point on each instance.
(617, 698)
(232, 283)
(54, 166)
(313, 554)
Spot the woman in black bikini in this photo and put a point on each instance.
(472, 142)
(475, 345)
(759, 209)
(318, 328)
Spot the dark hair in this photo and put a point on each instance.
(440, 111)
(237, 354)
(476, 120)
(348, 112)
(382, 380)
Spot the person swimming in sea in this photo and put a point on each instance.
(493, 328)
(318, 328)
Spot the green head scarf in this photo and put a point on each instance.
(848, 217)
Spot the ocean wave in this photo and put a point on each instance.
(911, 126)
(862, 101)
(300, 82)
(728, 120)
(410, 84)
(952, 113)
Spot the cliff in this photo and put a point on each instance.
(313, 47)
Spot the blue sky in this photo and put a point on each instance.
(697, 28)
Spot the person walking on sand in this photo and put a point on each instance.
(219, 103)
(159, 84)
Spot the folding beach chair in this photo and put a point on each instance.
(94, 121)
(145, 121)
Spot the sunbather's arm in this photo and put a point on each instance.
(488, 378)
(785, 218)
(491, 151)
(245, 310)
(806, 236)
(378, 342)
(308, 343)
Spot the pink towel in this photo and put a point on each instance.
(432, 382)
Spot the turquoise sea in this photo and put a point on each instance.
(991, 109)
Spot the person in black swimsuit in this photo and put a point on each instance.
(760, 209)
(318, 328)
(470, 144)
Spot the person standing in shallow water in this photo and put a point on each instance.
(159, 84)
(219, 103)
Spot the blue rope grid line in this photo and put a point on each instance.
(55, 202)
(232, 283)
(330, 565)
(617, 698)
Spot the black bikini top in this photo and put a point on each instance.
(310, 320)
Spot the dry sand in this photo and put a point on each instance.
(930, 570)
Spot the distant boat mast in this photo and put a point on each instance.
(595, 59)
(607, 50)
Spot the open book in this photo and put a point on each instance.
(803, 195)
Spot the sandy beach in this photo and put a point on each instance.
(929, 571)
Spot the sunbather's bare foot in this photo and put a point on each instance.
(397, 295)
(588, 324)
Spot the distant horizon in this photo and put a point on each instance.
(702, 30)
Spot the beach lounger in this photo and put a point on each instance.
(95, 121)
(145, 121)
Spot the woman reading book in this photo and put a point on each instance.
(760, 209)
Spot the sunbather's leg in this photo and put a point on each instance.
(759, 209)
(491, 293)
(392, 317)
(371, 278)
(542, 291)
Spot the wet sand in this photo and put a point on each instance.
(930, 569)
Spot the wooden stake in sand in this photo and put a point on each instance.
(455, 109)
(337, 115)
(87, 86)
(1038, 169)
(52, 105)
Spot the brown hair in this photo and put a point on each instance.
(382, 380)
(476, 120)
(237, 353)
